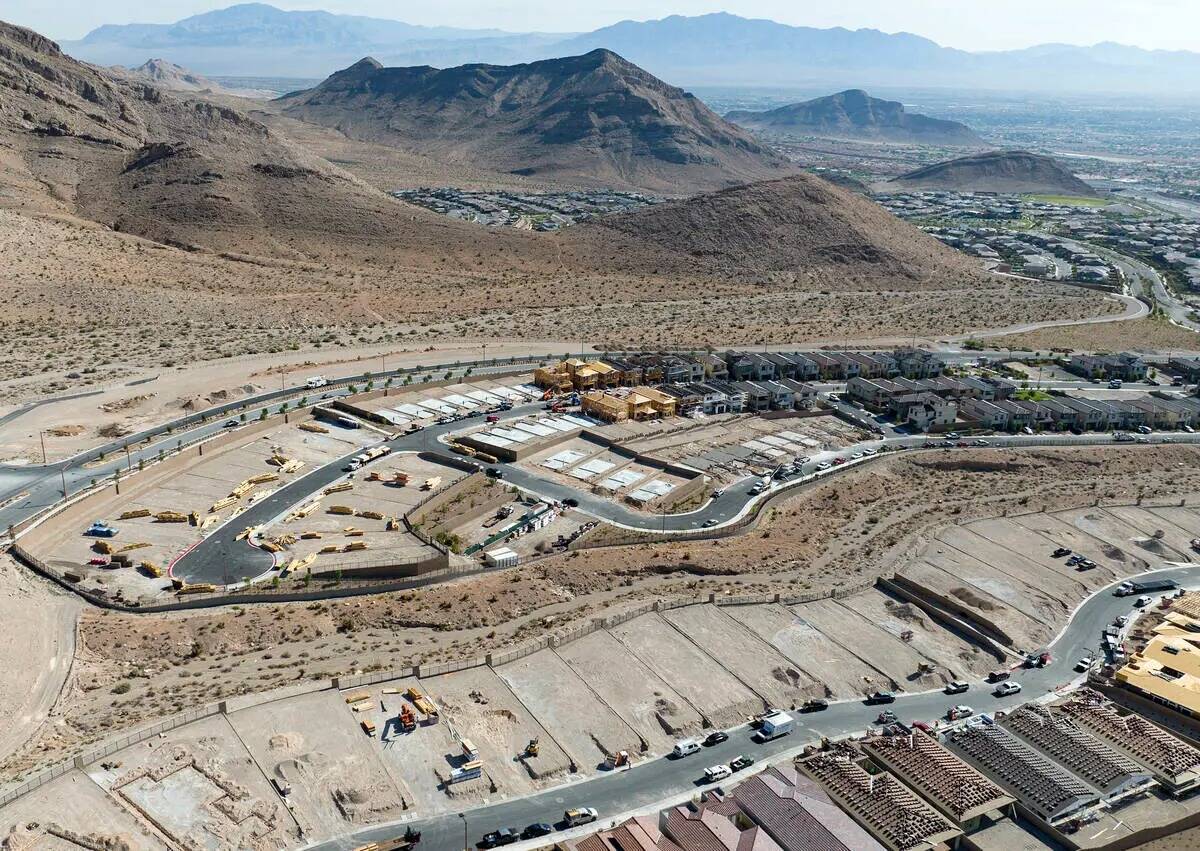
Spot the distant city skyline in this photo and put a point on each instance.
(1152, 24)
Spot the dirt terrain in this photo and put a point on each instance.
(1140, 335)
(867, 523)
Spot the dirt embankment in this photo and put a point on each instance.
(861, 525)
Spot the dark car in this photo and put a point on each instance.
(878, 697)
(715, 738)
(495, 472)
(741, 762)
(571, 502)
(817, 704)
(1060, 552)
(497, 838)
(537, 829)
(230, 424)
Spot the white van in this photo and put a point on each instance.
(687, 747)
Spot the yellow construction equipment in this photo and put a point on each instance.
(532, 748)
(354, 546)
(262, 478)
(103, 547)
(134, 546)
(370, 514)
(314, 427)
(310, 536)
(223, 502)
(339, 487)
(134, 512)
(151, 569)
(339, 509)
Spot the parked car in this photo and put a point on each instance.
(1060, 552)
(877, 697)
(1007, 688)
(498, 838)
(998, 676)
(740, 762)
(956, 687)
(571, 502)
(714, 773)
(824, 465)
(718, 492)
(1143, 601)
(953, 435)
(887, 716)
(816, 704)
(580, 815)
(960, 711)
(539, 828)
(495, 472)
(715, 738)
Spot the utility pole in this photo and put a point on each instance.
(128, 460)
(63, 475)
(42, 438)
(466, 841)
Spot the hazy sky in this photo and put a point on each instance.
(969, 24)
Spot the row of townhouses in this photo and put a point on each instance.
(637, 369)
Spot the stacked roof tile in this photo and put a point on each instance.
(1064, 741)
(954, 787)
(1048, 790)
(882, 803)
(1172, 760)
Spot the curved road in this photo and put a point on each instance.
(649, 783)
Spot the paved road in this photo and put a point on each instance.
(44, 484)
(656, 780)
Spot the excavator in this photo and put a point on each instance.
(532, 749)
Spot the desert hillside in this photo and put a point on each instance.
(594, 119)
(997, 171)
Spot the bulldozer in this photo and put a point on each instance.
(532, 749)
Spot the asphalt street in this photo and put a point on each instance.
(649, 783)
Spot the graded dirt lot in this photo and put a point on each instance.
(703, 682)
(771, 677)
(564, 703)
(839, 674)
(482, 708)
(317, 749)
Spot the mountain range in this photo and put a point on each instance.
(714, 49)
(853, 114)
(593, 119)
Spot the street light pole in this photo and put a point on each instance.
(466, 841)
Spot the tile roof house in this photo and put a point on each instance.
(1044, 788)
(1086, 756)
(879, 802)
(798, 814)
(958, 790)
(1174, 762)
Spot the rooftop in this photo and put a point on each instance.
(956, 788)
(1088, 757)
(1043, 786)
(880, 802)
(1171, 759)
